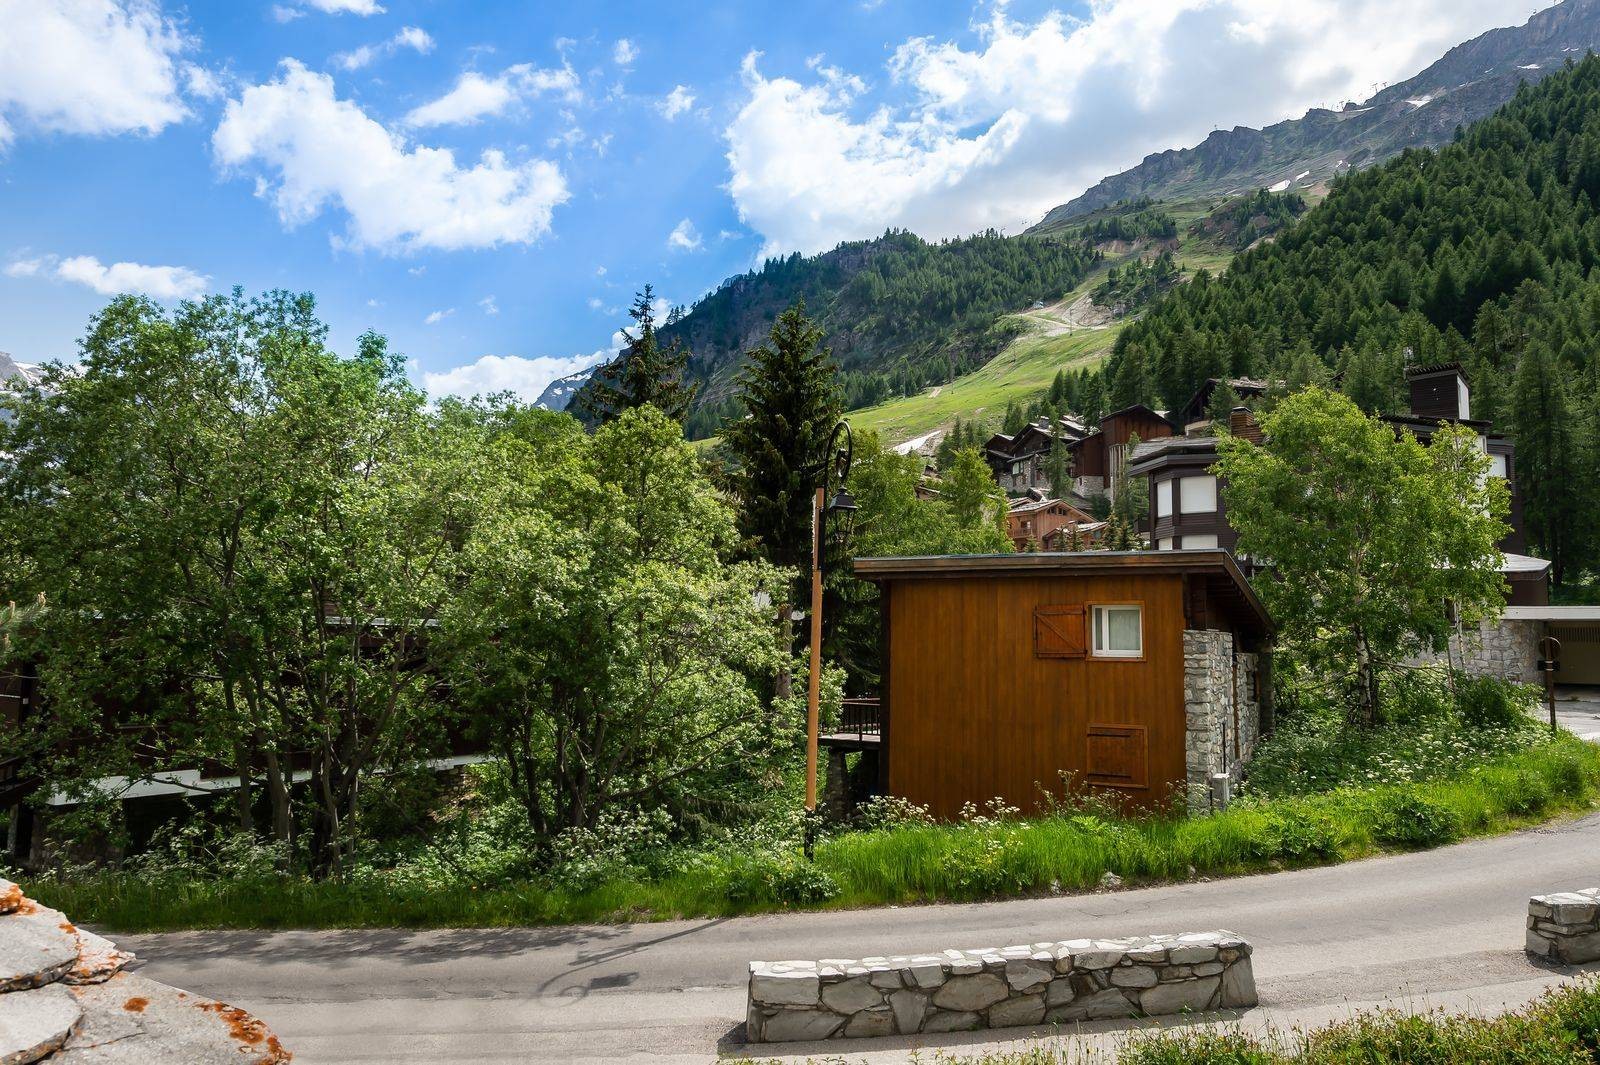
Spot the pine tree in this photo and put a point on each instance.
(1219, 409)
(1546, 459)
(1058, 463)
(1131, 383)
(1015, 421)
(644, 373)
(791, 403)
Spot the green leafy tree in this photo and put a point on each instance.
(649, 371)
(1365, 537)
(971, 493)
(604, 640)
(239, 539)
(791, 406)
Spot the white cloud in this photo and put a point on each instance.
(160, 282)
(435, 317)
(409, 37)
(676, 102)
(490, 307)
(88, 67)
(527, 378)
(996, 133)
(684, 237)
(595, 303)
(624, 52)
(315, 150)
(346, 7)
(476, 96)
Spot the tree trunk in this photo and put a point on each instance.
(1363, 713)
(241, 794)
(783, 685)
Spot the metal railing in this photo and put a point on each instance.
(860, 717)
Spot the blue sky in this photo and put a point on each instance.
(488, 183)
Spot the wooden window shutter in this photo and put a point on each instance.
(1058, 632)
(1117, 756)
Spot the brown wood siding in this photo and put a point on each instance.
(978, 715)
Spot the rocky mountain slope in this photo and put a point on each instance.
(1468, 83)
(558, 394)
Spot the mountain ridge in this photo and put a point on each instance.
(1467, 83)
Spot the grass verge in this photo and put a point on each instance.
(986, 858)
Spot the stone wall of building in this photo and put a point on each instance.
(1508, 648)
(961, 990)
(1565, 928)
(1208, 709)
(1249, 696)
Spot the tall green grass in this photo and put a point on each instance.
(986, 858)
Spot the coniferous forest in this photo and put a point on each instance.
(1484, 251)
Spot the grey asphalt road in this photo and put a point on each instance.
(1440, 928)
(1578, 711)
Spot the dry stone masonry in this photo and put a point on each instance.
(960, 990)
(67, 998)
(1222, 713)
(1565, 928)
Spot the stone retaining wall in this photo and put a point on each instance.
(1222, 711)
(1507, 648)
(960, 990)
(1565, 928)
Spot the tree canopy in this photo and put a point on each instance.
(1368, 540)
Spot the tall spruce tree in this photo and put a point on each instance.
(645, 372)
(1547, 459)
(790, 396)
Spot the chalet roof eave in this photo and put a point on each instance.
(1209, 560)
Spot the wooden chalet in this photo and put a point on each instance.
(1040, 522)
(1096, 454)
(1019, 461)
(1138, 673)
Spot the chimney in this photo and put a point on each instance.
(1242, 424)
(1440, 391)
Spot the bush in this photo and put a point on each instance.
(1489, 702)
(1302, 837)
(785, 879)
(1413, 820)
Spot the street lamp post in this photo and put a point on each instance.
(841, 508)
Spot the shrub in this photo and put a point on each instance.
(1489, 702)
(1412, 820)
(1302, 836)
(778, 878)
(890, 811)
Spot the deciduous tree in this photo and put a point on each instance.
(1367, 540)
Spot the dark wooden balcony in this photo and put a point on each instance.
(860, 726)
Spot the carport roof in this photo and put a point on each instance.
(1552, 613)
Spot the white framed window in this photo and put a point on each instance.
(1206, 540)
(1164, 544)
(1163, 498)
(1198, 495)
(1118, 631)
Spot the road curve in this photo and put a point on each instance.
(1442, 927)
